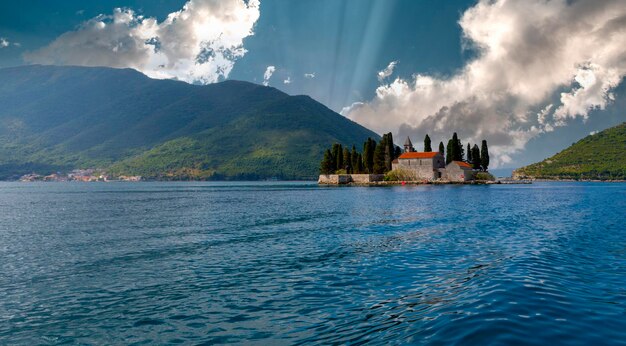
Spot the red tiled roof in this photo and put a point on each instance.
(463, 164)
(416, 155)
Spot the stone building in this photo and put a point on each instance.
(459, 171)
(430, 166)
(421, 165)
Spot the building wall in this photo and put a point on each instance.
(457, 174)
(439, 162)
(421, 168)
(470, 175)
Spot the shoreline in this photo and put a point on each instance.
(383, 183)
(415, 183)
(580, 180)
(408, 183)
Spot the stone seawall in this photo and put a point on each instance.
(338, 179)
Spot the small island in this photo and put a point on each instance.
(384, 163)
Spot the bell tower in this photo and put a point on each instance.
(408, 146)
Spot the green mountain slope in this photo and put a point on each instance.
(61, 118)
(598, 156)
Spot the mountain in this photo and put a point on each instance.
(597, 156)
(55, 118)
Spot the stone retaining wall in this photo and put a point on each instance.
(337, 179)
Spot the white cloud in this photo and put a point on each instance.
(388, 71)
(309, 75)
(595, 83)
(542, 116)
(269, 71)
(593, 133)
(200, 43)
(287, 81)
(529, 52)
(5, 43)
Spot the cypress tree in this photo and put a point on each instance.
(461, 151)
(368, 155)
(475, 157)
(397, 153)
(455, 147)
(379, 156)
(427, 147)
(354, 160)
(339, 157)
(337, 153)
(469, 153)
(449, 152)
(442, 149)
(372, 149)
(484, 156)
(390, 151)
(359, 162)
(327, 166)
(347, 160)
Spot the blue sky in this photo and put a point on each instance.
(334, 50)
(344, 43)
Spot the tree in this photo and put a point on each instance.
(441, 149)
(360, 168)
(397, 153)
(354, 160)
(327, 165)
(368, 155)
(457, 148)
(484, 156)
(339, 157)
(475, 157)
(390, 150)
(449, 152)
(337, 153)
(469, 153)
(379, 157)
(427, 147)
(461, 152)
(347, 161)
(373, 145)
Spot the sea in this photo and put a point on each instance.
(293, 263)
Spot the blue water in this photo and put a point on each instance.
(294, 263)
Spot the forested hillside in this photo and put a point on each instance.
(61, 118)
(598, 156)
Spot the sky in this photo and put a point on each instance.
(530, 76)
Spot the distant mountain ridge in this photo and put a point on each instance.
(64, 117)
(600, 156)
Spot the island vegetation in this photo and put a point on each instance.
(377, 157)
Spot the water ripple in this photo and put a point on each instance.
(291, 263)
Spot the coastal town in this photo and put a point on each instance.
(78, 175)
